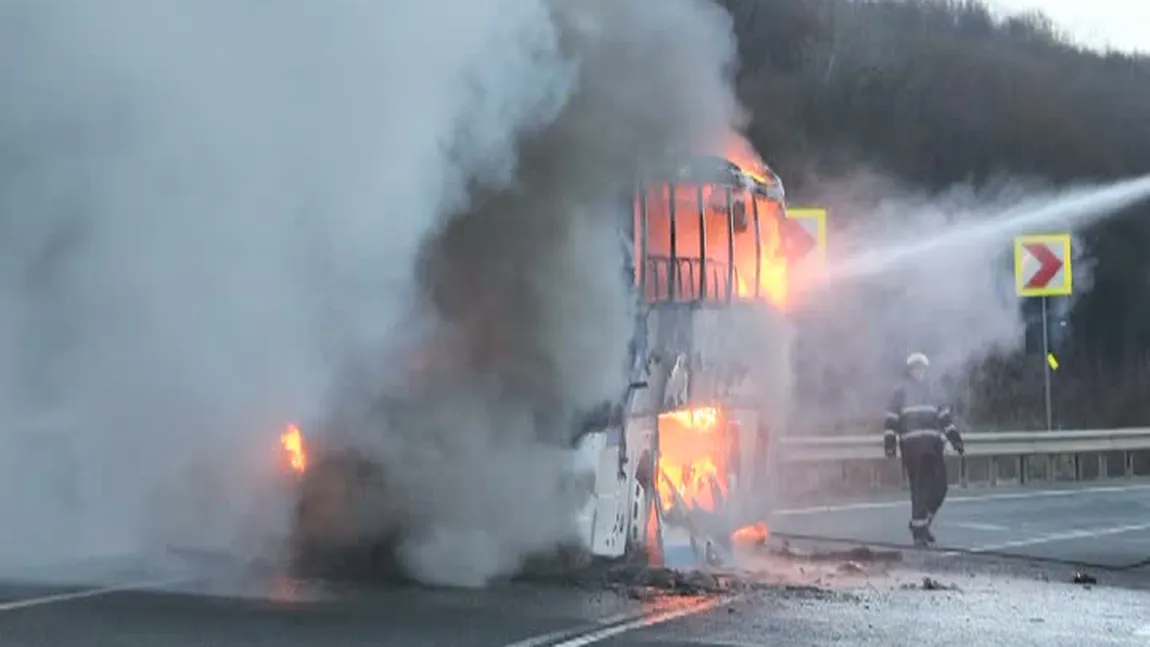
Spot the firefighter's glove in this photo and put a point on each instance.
(956, 441)
(890, 446)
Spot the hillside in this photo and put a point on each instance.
(936, 93)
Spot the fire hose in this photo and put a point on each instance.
(973, 552)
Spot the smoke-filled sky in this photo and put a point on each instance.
(209, 208)
(1100, 24)
(880, 299)
(220, 216)
(909, 271)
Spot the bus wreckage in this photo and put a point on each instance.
(682, 463)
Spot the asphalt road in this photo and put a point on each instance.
(983, 611)
(879, 606)
(1102, 525)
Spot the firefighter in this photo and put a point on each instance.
(918, 427)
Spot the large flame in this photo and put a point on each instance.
(742, 154)
(695, 453)
(692, 460)
(292, 441)
(754, 534)
(681, 255)
(773, 274)
(773, 278)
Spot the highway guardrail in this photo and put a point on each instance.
(1005, 443)
(1008, 456)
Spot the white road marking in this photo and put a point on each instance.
(1143, 632)
(870, 505)
(971, 525)
(548, 638)
(1062, 536)
(641, 623)
(711, 642)
(86, 593)
(618, 625)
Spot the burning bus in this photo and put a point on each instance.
(678, 467)
(715, 288)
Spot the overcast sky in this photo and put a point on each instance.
(1119, 24)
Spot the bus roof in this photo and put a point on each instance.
(712, 169)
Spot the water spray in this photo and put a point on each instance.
(1070, 209)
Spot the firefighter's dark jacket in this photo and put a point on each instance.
(916, 421)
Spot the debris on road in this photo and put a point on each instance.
(641, 582)
(857, 555)
(851, 568)
(931, 584)
(812, 592)
(644, 581)
(1084, 578)
(788, 565)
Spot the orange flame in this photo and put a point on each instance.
(773, 270)
(292, 441)
(691, 461)
(751, 535)
(701, 419)
(742, 154)
(773, 278)
(704, 245)
(695, 449)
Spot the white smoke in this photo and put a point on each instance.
(912, 271)
(882, 299)
(207, 208)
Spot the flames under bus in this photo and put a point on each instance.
(675, 462)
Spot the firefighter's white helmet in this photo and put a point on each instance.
(917, 359)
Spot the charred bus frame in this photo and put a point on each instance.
(739, 189)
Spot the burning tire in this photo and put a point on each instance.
(338, 529)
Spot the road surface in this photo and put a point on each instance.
(881, 606)
(1102, 525)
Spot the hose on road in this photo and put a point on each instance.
(972, 552)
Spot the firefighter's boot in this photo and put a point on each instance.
(920, 535)
(926, 530)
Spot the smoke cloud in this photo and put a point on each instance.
(210, 210)
(913, 271)
(955, 304)
(527, 282)
(910, 271)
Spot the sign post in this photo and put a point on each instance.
(1042, 269)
